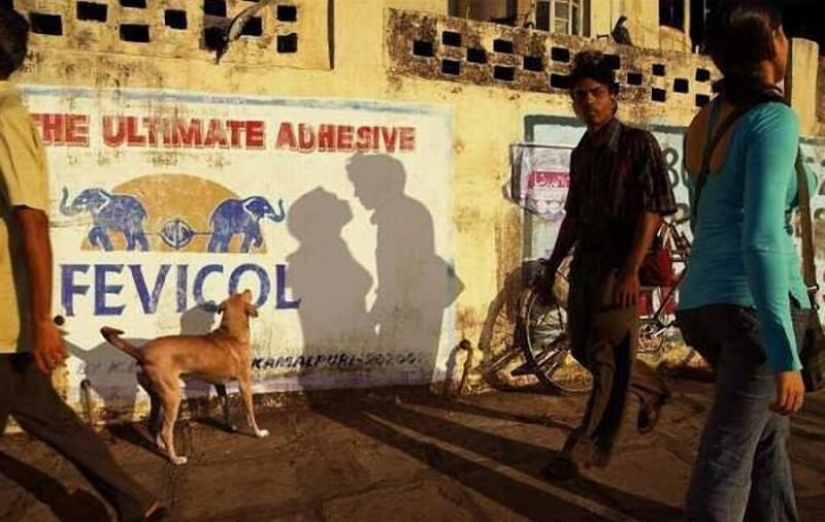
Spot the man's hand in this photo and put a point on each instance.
(626, 289)
(48, 348)
(790, 393)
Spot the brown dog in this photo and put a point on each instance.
(216, 357)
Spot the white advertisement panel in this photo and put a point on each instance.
(335, 214)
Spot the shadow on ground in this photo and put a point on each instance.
(393, 424)
(65, 506)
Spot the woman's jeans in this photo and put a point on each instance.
(743, 471)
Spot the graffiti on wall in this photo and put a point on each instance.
(336, 215)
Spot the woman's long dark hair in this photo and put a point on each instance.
(739, 37)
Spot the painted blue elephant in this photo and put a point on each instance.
(241, 216)
(110, 213)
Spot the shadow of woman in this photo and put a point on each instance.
(331, 285)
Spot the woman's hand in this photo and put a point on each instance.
(790, 393)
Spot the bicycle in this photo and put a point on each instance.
(542, 322)
(654, 328)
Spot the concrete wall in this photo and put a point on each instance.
(469, 89)
(802, 84)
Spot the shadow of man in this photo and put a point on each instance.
(331, 285)
(415, 285)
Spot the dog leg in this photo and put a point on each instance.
(245, 384)
(154, 404)
(171, 404)
(224, 400)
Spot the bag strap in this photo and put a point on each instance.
(709, 148)
(808, 264)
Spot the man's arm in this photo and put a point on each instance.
(47, 343)
(566, 237)
(657, 201)
(627, 287)
(564, 242)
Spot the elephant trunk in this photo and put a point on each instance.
(277, 218)
(68, 210)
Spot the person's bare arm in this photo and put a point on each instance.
(627, 284)
(565, 240)
(47, 344)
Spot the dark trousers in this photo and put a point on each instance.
(743, 471)
(28, 395)
(604, 339)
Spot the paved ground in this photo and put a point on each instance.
(401, 455)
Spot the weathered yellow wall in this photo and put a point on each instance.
(802, 82)
(487, 119)
(671, 39)
(603, 17)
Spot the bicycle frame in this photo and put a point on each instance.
(655, 325)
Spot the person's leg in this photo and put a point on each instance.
(772, 493)
(648, 385)
(42, 413)
(612, 343)
(579, 317)
(5, 391)
(610, 333)
(771, 496)
(653, 393)
(738, 423)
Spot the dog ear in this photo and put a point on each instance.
(251, 311)
(221, 308)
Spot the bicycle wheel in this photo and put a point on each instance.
(546, 346)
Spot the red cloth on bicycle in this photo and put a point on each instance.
(657, 268)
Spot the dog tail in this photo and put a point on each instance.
(112, 335)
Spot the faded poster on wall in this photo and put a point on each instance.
(541, 176)
(335, 214)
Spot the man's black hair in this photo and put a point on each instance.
(14, 41)
(593, 65)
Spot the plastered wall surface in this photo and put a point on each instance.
(425, 99)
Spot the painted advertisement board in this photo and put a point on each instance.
(335, 214)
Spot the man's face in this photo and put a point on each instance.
(593, 102)
(364, 191)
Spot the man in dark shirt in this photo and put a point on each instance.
(619, 191)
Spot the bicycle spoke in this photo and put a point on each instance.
(552, 351)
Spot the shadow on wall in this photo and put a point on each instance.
(323, 273)
(501, 337)
(401, 331)
(113, 374)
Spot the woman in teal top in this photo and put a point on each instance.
(743, 252)
(742, 299)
